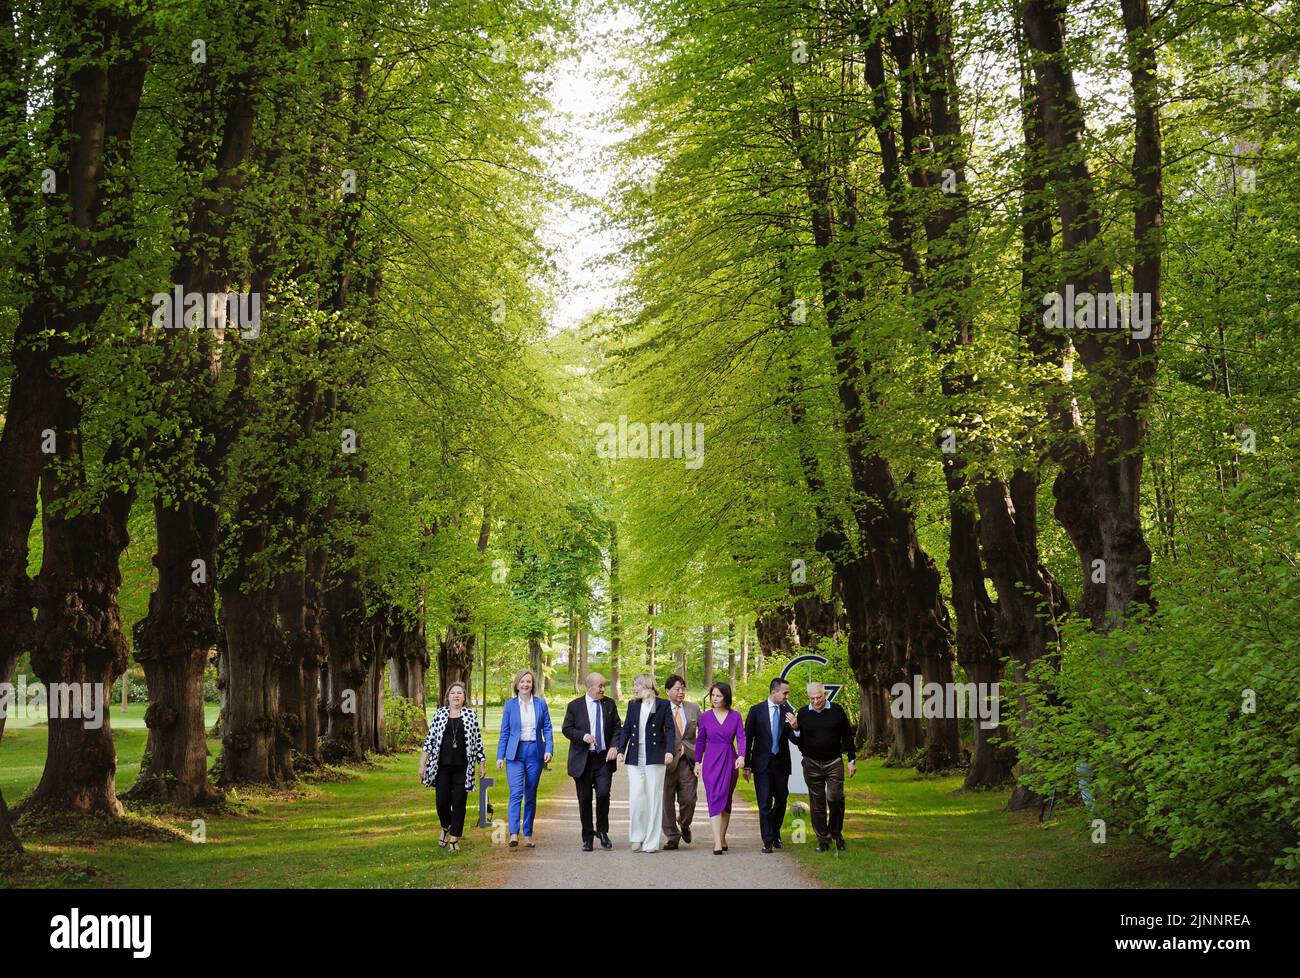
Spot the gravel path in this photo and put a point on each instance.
(558, 862)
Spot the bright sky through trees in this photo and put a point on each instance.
(588, 86)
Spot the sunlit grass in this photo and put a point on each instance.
(377, 830)
(908, 830)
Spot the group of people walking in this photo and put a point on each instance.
(668, 746)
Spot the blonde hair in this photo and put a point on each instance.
(446, 699)
(647, 681)
(520, 675)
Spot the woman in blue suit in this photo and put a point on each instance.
(525, 745)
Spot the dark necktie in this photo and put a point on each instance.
(600, 728)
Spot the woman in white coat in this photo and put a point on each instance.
(645, 746)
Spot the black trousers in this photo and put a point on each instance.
(772, 788)
(825, 797)
(449, 787)
(596, 779)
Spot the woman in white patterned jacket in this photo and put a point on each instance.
(453, 749)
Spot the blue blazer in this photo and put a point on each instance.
(508, 744)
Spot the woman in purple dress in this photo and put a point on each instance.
(720, 754)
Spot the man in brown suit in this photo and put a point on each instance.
(679, 775)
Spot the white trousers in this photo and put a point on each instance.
(645, 803)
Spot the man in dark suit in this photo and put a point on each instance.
(592, 725)
(767, 734)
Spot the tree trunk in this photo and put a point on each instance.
(1102, 501)
(574, 668)
(223, 681)
(584, 664)
(615, 619)
(255, 744)
(410, 663)
(708, 656)
(172, 642)
(78, 629)
(8, 840)
(348, 640)
(301, 616)
(744, 650)
(777, 633)
(80, 641)
(370, 696)
(650, 641)
(1029, 600)
(456, 654)
(731, 654)
(535, 660)
(873, 734)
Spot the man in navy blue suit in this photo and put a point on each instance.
(767, 735)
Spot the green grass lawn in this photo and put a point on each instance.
(908, 830)
(378, 829)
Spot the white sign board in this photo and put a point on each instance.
(798, 786)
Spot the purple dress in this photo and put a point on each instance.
(716, 756)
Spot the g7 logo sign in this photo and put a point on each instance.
(832, 689)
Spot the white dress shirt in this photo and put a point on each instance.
(645, 715)
(594, 718)
(527, 720)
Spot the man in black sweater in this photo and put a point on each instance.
(823, 733)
